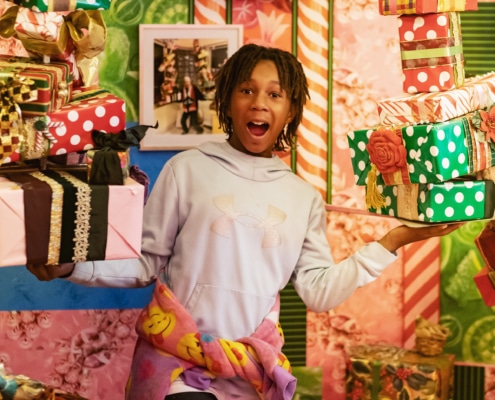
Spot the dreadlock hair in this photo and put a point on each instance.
(238, 69)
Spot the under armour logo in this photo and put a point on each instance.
(223, 224)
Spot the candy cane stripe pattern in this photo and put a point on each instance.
(421, 285)
(312, 52)
(210, 12)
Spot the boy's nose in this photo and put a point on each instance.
(259, 101)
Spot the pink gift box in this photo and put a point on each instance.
(477, 92)
(431, 52)
(485, 281)
(69, 129)
(125, 219)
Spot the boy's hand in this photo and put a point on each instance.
(402, 235)
(46, 272)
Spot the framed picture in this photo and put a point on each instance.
(177, 65)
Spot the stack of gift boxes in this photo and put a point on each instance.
(429, 160)
(428, 157)
(52, 111)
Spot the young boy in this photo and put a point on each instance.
(226, 227)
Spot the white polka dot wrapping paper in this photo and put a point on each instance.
(434, 152)
(69, 129)
(399, 7)
(456, 200)
(431, 52)
(477, 92)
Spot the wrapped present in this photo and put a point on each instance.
(428, 153)
(64, 5)
(69, 129)
(55, 33)
(485, 282)
(477, 93)
(92, 221)
(431, 52)
(450, 201)
(53, 82)
(399, 7)
(388, 372)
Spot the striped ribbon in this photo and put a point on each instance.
(421, 286)
(313, 53)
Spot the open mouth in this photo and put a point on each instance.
(258, 128)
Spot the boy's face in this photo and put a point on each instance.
(259, 109)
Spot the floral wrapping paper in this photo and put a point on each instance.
(387, 372)
(398, 7)
(433, 152)
(456, 200)
(431, 52)
(477, 93)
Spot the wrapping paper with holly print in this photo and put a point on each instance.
(450, 201)
(381, 371)
(65, 5)
(123, 233)
(477, 93)
(434, 152)
(399, 7)
(431, 52)
(69, 129)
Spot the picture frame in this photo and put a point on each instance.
(177, 65)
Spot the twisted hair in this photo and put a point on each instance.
(238, 69)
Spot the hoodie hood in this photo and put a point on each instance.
(260, 169)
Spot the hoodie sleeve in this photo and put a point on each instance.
(160, 226)
(322, 284)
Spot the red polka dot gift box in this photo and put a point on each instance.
(399, 7)
(431, 52)
(69, 129)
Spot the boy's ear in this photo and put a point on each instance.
(292, 113)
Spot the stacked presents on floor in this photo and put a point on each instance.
(430, 157)
(429, 160)
(66, 188)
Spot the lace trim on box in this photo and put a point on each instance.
(83, 213)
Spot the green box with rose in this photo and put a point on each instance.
(450, 201)
(428, 153)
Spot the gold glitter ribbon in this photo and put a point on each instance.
(55, 217)
(83, 213)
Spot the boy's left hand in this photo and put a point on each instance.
(402, 234)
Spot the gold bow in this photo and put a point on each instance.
(84, 28)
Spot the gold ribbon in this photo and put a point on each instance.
(62, 5)
(85, 28)
(451, 5)
(407, 201)
(55, 217)
(11, 122)
(19, 88)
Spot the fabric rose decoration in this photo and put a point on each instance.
(386, 151)
(487, 124)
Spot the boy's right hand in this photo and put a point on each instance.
(46, 272)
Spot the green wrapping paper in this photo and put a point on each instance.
(434, 152)
(65, 5)
(457, 200)
(387, 372)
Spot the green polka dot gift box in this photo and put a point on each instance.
(456, 200)
(427, 153)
